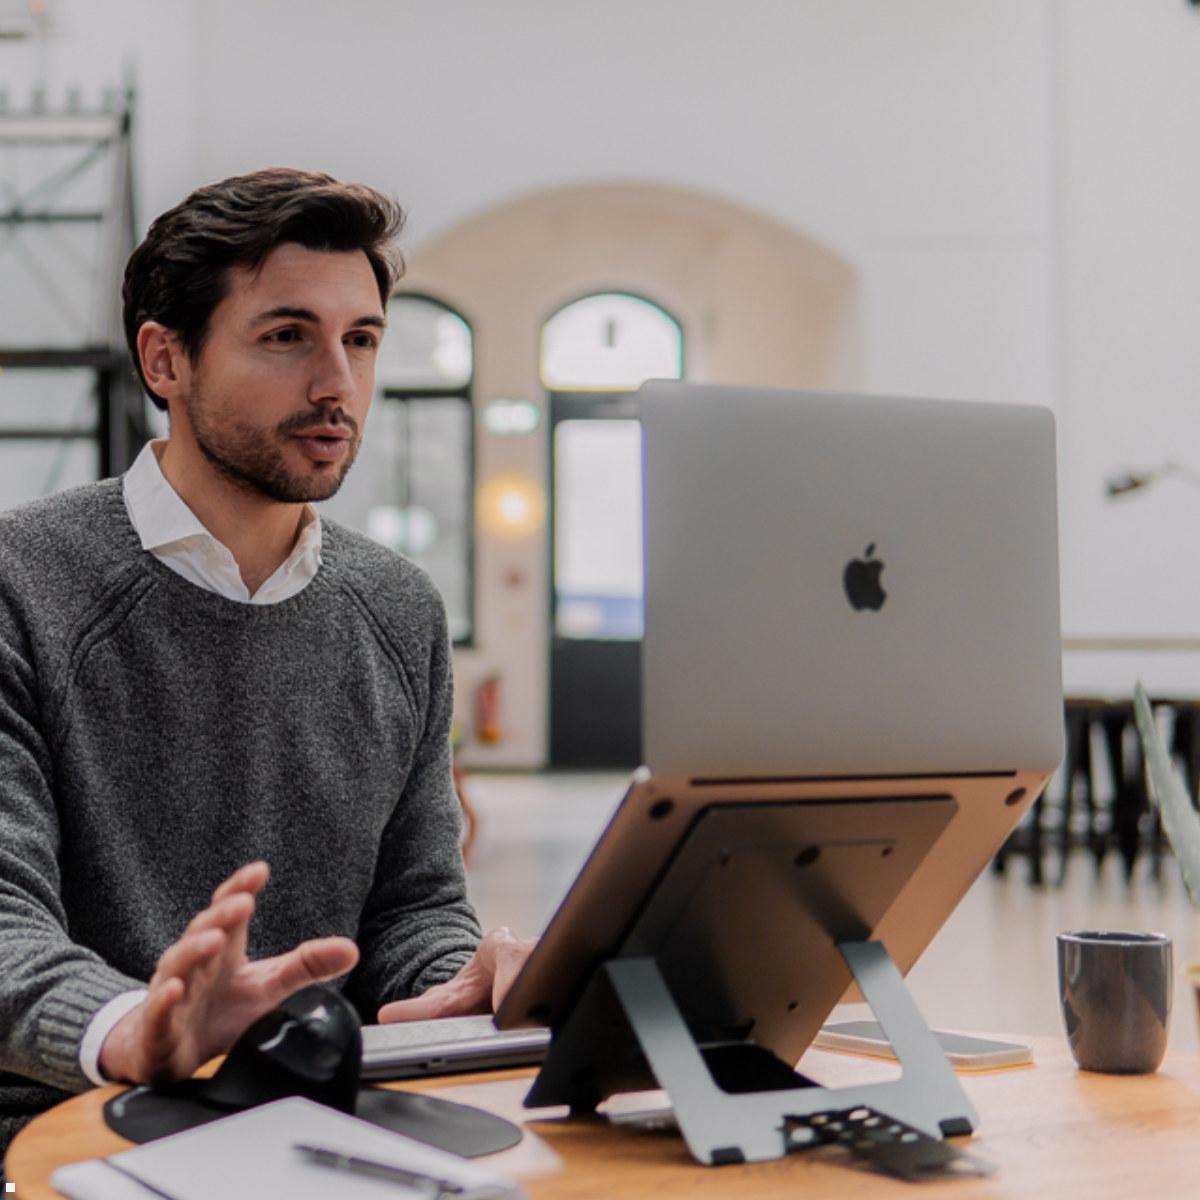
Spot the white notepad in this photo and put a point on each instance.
(250, 1156)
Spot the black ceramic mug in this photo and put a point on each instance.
(1115, 990)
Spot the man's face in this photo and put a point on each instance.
(280, 389)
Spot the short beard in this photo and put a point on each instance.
(250, 458)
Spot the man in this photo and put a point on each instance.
(203, 686)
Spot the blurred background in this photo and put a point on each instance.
(980, 199)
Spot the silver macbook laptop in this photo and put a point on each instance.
(447, 1045)
(848, 597)
(848, 585)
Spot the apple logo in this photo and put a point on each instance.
(861, 581)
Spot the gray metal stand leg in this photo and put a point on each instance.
(720, 1127)
(931, 1083)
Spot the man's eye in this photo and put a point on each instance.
(282, 336)
(363, 340)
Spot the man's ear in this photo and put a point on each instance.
(164, 363)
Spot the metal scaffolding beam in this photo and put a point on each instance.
(70, 171)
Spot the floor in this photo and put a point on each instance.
(991, 969)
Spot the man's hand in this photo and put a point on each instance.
(477, 988)
(205, 991)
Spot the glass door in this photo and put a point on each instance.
(596, 648)
(595, 353)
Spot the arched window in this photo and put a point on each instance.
(610, 342)
(412, 486)
(428, 348)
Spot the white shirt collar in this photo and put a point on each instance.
(170, 531)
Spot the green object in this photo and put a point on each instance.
(1169, 794)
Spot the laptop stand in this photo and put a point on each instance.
(736, 1102)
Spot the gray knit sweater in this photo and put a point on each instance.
(155, 736)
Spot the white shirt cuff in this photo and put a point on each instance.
(100, 1027)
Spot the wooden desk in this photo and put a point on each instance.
(1051, 1130)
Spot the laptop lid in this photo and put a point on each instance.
(848, 585)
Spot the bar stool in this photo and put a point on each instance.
(1129, 800)
(1080, 714)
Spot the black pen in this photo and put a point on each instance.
(341, 1161)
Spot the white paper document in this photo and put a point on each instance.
(251, 1156)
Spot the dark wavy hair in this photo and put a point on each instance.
(180, 272)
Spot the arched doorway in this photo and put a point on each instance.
(595, 352)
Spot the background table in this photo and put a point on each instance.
(1051, 1130)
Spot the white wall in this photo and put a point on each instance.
(909, 137)
(1129, 187)
(1013, 181)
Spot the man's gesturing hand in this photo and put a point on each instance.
(205, 991)
(477, 988)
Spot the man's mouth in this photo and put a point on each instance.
(334, 433)
(325, 443)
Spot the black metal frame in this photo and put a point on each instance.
(464, 393)
(120, 429)
(121, 425)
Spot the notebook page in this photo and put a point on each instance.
(250, 1156)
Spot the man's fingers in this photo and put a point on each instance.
(182, 958)
(161, 1001)
(449, 999)
(158, 1040)
(251, 878)
(502, 955)
(477, 988)
(510, 958)
(225, 914)
(418, 1009)
(239, 933)
(242, 886)
(311, 962)
(466, 994)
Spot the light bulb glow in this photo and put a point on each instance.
(511, 505)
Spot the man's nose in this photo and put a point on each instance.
(332, 378)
